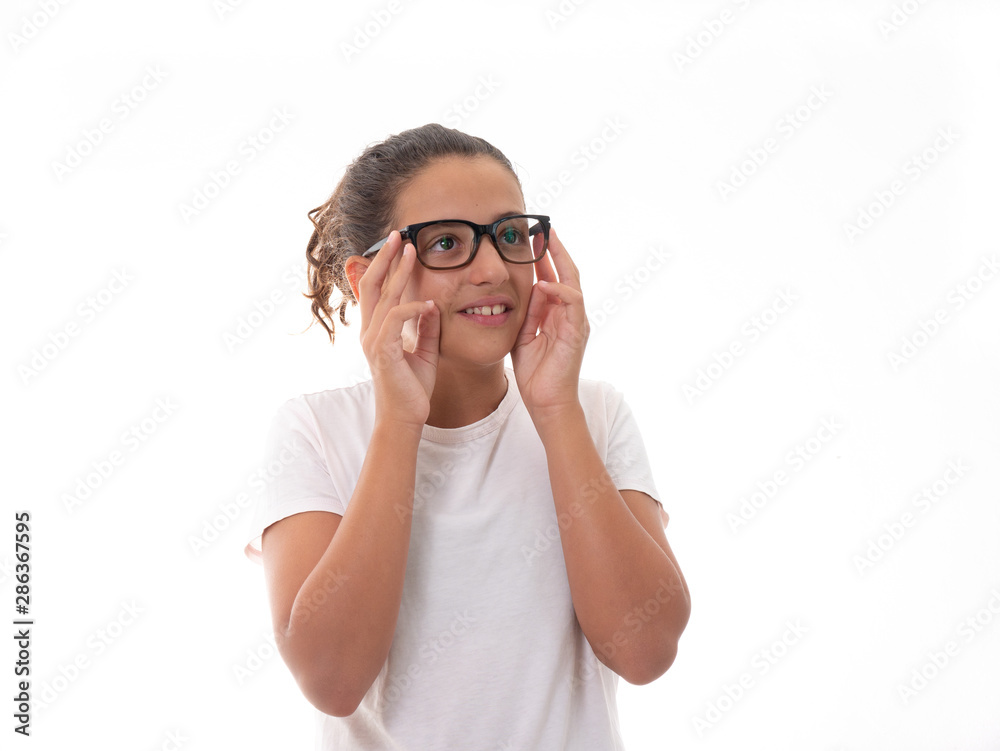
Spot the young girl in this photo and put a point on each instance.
(461, 555)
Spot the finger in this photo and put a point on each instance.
(370, 284)
(537, 243)
(571, 298)
(544, 271)
(562, 292)
(380, 266)
(393, 286)
(389, 337)
(568, 272)
(428, 333)
(532, 319)
(395, 282)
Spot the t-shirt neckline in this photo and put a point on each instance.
(488, 424)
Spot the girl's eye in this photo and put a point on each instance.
(513, 233)
(441, 244)
(444, 237)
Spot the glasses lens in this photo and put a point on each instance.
(444, 244)
(515, 240)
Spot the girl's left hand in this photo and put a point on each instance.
(548, 352)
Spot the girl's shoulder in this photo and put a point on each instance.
(340, 403)
(359, 391)
(596, 391)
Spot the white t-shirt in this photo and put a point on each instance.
(487, 653)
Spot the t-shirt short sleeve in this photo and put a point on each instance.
(627, 461)
(295, 474)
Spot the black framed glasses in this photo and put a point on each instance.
(452, 243)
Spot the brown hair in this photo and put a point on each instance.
(361, 208)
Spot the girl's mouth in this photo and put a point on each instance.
(488, 315)
(487, 310)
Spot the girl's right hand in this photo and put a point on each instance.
(404, 381)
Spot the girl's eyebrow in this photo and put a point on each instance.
(502, 214)
(496, 217)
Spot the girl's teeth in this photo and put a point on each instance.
(487, 310)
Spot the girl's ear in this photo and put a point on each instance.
(354, 269)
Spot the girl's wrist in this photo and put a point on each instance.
(397, 432)
(555, 420)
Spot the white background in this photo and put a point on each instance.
(695, 90)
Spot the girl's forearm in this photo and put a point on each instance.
(614, 567)
(344, 616)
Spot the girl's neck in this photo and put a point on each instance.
(462, 397)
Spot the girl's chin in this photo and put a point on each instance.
(482, 352)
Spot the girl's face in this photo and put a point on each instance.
(479, 190)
